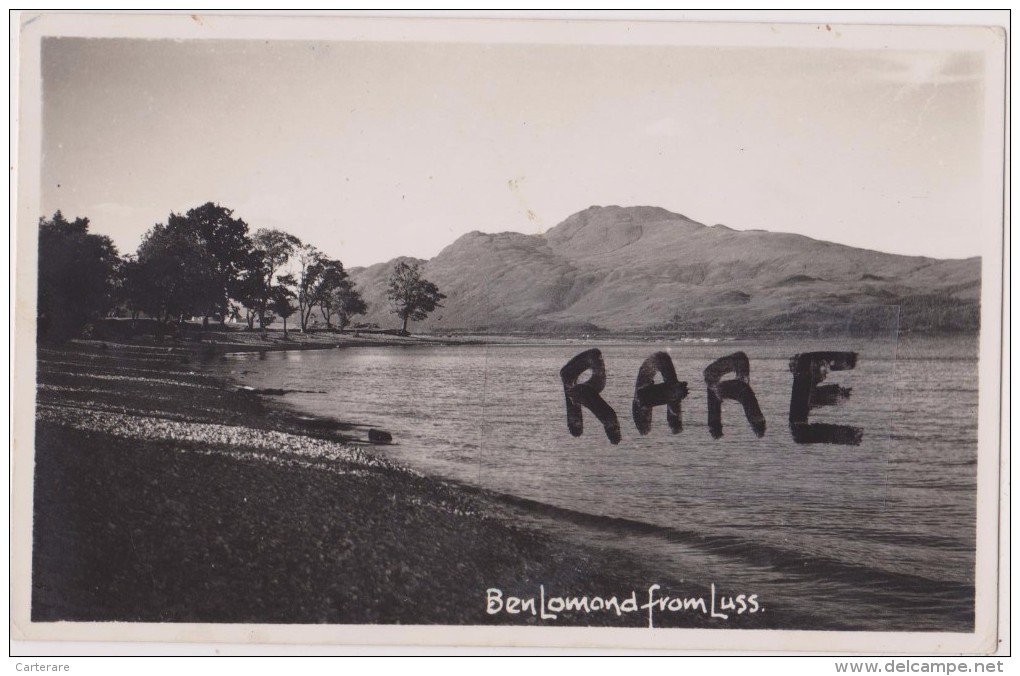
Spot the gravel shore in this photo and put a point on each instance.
(163, 494)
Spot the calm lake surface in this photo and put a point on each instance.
(876, 536)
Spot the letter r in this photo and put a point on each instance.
(739, 389)
(587, 394)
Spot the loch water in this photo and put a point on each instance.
(878, 536)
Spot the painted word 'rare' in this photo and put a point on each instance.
(809, 370)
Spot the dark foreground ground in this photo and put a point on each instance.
(165, 495)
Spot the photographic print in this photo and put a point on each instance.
(492, 331)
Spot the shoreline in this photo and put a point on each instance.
(232, 339)
(216, 341)
(165, 494)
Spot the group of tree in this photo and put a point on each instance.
(205, 263)
(78, 275)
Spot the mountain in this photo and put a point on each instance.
(645, 268)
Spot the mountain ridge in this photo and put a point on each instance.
(646, 268)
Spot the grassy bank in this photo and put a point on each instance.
(165, 495)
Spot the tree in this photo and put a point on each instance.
(329, 276)
(247, 288)
(282, 299)
(174, 275)
(310, 260)
(272, 249)
(78, 274)
(411, 296)
(348, 303)
(132, 286)
(226, 242)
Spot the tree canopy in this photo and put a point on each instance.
(78, 277)
(333, 291)
(226, 242)
(282, 299)
(411, 296)
(175, 275)
(348, 303)
(198, 264)
(272, 250)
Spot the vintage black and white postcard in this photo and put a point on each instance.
(526, 332)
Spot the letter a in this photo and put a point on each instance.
(587, 394)
(649, 394)
(738, 389)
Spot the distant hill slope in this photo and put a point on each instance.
(646, 268)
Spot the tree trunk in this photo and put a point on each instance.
(285, 328)
(306, 316)
(404, 328)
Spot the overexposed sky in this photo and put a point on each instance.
(374, 150)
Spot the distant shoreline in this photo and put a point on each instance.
(217, 340)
